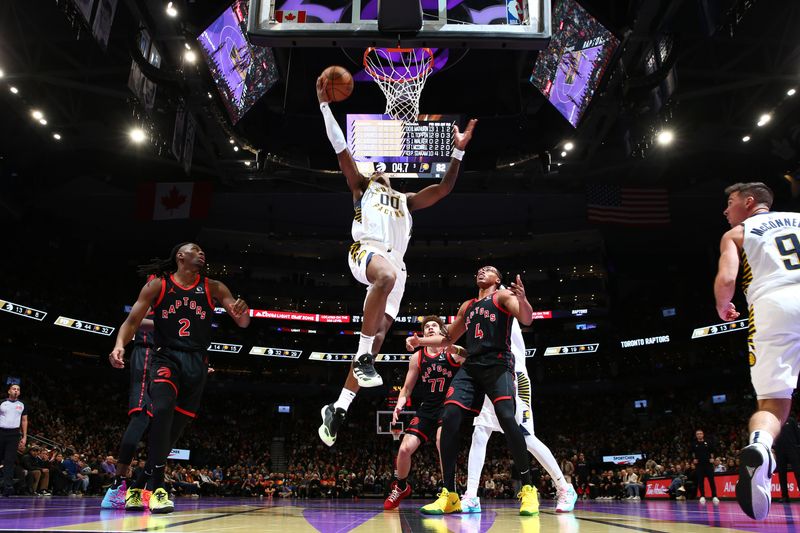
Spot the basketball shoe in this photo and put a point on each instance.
(365, 373)
(115, 497)
(565, 499)
(448, 502)
(133, 500)
(529, 501)
(146, 496)
(332, 418)
(160, 502)
(471, 505)
(396, 496)
(753, 490)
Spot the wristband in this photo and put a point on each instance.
(458, 154)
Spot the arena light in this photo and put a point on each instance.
(569, 145)
(57, 136)
(247, 163)
(746, 138)
(790, 92)
(137, 135)
(171, 11)
(13, 90)
(563, 154)
(190, 56)
(43, 122)
(763, 119)
(665, 137)
(235, 148)
(37, 115)
(231, 141)
(2, 73)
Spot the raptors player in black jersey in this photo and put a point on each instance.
(433, 369)
(487, 370)
(183, 305)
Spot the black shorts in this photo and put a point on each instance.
(138, 399)
(425, 424)
(186, 372)
(471, 384)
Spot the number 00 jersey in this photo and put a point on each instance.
(488, 333)
(382, 219)
(436, 370)
(770, 253)
(183, 315)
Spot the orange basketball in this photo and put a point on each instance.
(340, 83)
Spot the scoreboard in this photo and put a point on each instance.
(401, 149)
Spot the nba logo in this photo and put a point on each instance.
(515, 14)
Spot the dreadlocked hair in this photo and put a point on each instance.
(162, 268)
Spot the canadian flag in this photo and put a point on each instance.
(176, 200)
(295, 17)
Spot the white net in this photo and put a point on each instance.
(401, 74)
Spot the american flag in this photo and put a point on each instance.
(630, 206)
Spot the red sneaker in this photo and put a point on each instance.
(146, 496)
(396, 496)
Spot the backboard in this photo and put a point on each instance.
(513, 24)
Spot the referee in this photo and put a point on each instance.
(13, 416)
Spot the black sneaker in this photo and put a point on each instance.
(332, 418)
(364, 371)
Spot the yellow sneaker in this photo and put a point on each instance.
(529, 498)
(133, 500)
(160, 502)
(448, 502)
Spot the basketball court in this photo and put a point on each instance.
(210, 514)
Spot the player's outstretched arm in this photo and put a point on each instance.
(408, 386)
(355, 181)
(516, 302)
(433, 193)
(126, 331)
(236, 307)
(725, 282)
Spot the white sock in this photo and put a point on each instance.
(477, 456)
(545, 457)
(764, 437)
(365, 344)
(346, 397)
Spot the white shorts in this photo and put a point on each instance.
(359, 256)
(488, 419)
(774, 342)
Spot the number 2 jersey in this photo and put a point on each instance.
(182, 315)
(488, 333)
(770, 253)
(382, 219)
(436, 370)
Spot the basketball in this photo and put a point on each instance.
(340, 83)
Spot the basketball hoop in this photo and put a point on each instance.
(401, 74)
(397, 432)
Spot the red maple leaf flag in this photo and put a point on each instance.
(173, 200)
(291, 17)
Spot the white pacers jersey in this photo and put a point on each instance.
(771, 253)
(382, 219)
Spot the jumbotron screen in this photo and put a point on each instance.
(569, 71)
(400, 149)
(242, 72)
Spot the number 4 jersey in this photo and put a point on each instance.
(770, 253)
(183, 315)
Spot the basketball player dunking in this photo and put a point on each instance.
(433, 369)
(182, 300)
(488, 370)
(381, 230)
(768, 246)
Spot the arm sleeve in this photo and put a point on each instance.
(335, 135)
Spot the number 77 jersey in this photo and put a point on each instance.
(770, 253)
(436, 370)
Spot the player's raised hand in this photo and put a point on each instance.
(518, 288)
(116, 357)
(238, 308)
(728, 313)
(461, 140)
(322, 90)
(412, 343)
(401, 401)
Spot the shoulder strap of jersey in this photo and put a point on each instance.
(496, 303)
(161, 294)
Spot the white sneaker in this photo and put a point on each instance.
(702, 499)
(566, 499)
(753, 490)
(470, 505)
(636, 498)
(715, 500)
